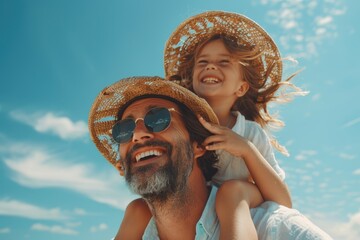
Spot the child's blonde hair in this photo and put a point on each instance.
(262, 90)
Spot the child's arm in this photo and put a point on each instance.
(136, 218)
(270, 185)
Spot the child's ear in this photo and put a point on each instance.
(244, 87)
(199, 150)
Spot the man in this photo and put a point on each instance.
(150, 125)
(163, 167)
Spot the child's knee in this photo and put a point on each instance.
(230, 193)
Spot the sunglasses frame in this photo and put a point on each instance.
(143, 119)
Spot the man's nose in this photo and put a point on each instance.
(141, 133)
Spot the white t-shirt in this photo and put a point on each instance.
(231, 167)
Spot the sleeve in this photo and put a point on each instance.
(261, 140)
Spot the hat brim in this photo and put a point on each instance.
(118, 96)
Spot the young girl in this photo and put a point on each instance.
(233, 63)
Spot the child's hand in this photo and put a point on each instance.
(225, 139)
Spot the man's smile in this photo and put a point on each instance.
(147, 155)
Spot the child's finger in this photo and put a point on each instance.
(215, 146)
(213, 139)
(209, 126)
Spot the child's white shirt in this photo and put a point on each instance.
(231, 167)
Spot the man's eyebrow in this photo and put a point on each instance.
(148, 108)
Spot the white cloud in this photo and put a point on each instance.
(345, 230)
(79, 211)
(298, 38)
(34, 167)
(346, 156)
(352, 122)
(315, 21)
(100, 227)
(72, 224)
(26, 210)
(357, 171)
(303, 155)
(316, 97)
(320, 31)
(49, 122)
(323, 20)
(4, 230)
(53, 229)
(290, 25)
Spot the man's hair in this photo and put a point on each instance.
(198, 133)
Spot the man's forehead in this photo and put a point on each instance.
(146, 104)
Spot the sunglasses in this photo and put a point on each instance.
(156, 120)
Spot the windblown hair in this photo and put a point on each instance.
(262, 90)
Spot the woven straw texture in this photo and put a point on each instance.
(107, 104)
(202, 26)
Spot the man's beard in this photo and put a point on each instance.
(159, 183)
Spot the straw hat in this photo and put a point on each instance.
(114, 99)
(196, 29)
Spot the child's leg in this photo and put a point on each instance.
(136, 218)
(233, 202)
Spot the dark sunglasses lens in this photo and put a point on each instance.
(123, 130)
(157, 119)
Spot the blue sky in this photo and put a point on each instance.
(56, 56)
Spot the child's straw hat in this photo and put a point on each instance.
(202, 26)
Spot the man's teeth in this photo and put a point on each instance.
(210, 80)
(142, 155)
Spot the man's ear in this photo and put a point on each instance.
(244, 87)
(199, 150)
(120, 168)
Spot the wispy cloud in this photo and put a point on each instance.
(33, 167)
(57, 229)
(26, 210)
(4, 230)
(357, 171)
(305, 24)
(345, 230)
(100, 227)
(352, 123)
(323, 20)
(52, 123)
(347, 156)
(80, 212)
(303, 155)
(316, 97)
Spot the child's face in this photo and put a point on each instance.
(217, 74)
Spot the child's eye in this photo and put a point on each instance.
(224, 62)
(201, 62)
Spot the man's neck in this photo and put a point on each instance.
(180, 214)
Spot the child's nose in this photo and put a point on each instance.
(210, 66)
